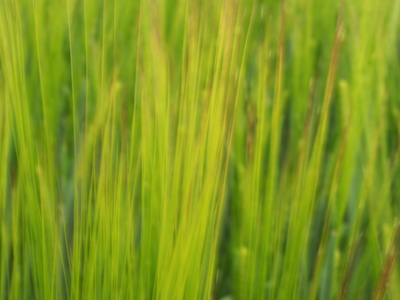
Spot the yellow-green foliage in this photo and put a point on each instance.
(199, 149)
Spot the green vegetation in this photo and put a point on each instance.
(199, 149)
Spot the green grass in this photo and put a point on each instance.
(199, 149)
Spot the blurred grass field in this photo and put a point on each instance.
(199, 149)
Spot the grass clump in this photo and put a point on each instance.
(199, 149)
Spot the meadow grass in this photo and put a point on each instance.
(199, 149)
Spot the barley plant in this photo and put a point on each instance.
(199, 149)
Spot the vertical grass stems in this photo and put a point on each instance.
(199, 149)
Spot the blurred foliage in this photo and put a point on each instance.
(198, 149)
